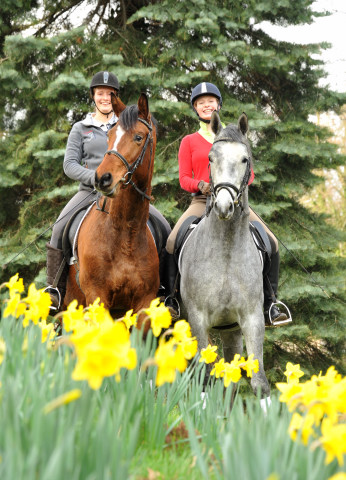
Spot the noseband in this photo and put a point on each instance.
(235, 193)
(131, 168)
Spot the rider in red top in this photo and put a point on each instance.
(193, 157)
(194, 178)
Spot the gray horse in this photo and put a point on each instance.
(221, 271)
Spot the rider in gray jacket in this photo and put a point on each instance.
(86, 146)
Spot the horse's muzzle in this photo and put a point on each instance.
(104, 183)
(224, 205)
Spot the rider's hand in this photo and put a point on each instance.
(204, 187)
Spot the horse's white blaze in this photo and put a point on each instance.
(120, 134)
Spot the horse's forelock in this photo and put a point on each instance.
(232, 132)
(129, 117)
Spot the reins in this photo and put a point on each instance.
(127, 178)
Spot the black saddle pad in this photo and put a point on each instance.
(184, 232)
(158, 231)
(70, 231)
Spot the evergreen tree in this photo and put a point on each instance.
(165, 48)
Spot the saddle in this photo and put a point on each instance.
(259, 235)
(70, 234)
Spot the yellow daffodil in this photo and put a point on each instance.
(2, 349)
(63, 399)
(47, 330)
(303, 425)
(14, 305)
(129, 319)
(273, 476)
(181, 331)
(333, 440)
(38, 304)
(101, 352)
(15, 284)
(290, 394)
(293, 373)
(73, 317)
(209, 354)
(189, 348)
(219, 368)
(338, 476)
(232, 373)
(169, 357)
(160, 316)
(251, 365)
(97, 313)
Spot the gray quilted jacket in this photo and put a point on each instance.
(85, 149)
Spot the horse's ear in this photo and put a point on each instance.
(143, 106)
(243, 123)
(117, 104)
(215, 123)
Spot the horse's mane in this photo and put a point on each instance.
(129, 117)
(232, 132)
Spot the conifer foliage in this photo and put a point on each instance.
(50, 50)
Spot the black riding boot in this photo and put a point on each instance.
(171, 273)
(270, 289)
(56, 281)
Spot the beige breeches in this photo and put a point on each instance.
(197, 208)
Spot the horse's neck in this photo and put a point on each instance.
(129, 210)
(231, 232)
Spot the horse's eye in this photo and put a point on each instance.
(245, 160)
(210, 160)
(138, 138)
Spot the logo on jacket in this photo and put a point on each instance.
(89, 135)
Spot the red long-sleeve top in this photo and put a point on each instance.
(193, 162)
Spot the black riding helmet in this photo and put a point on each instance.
(205, 88)
(104, 79)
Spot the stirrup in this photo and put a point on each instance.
(280, 322)
(174, 305)
(54, 291)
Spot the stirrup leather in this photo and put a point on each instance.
(280, 322)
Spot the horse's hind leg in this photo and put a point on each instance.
(232, 343)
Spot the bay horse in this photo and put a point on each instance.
(221, 271)
(117, 256)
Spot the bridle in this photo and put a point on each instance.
(235, 192)
(131, 168)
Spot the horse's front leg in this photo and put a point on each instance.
(253, 331)
(199, 329)
(232, 343)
